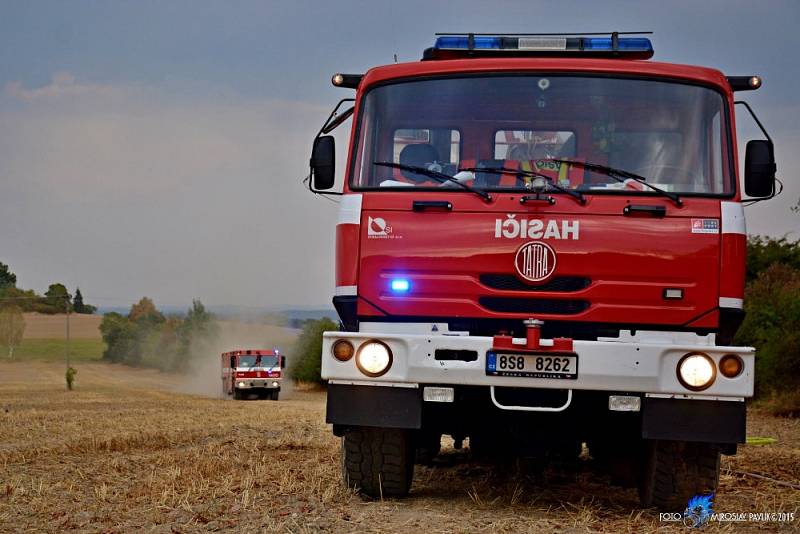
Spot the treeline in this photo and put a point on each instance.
(772, 323)
(145, 337)
(57, 299)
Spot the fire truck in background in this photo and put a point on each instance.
(541, 244)
(248, 374)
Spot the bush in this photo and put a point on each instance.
(772, 325)
(307, 358)
(765, 251)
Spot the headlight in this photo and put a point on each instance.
(241, 384)
(696, 371)
(374, 358)
(274, 384)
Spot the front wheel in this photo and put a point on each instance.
(676, 471)
(378, 462)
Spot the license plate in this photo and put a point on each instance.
(559, 366)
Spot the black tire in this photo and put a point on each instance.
(237, 394)
(274, 395)
(378, 462)
(428, 447)
(675, 471)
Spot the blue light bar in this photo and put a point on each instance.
(453, 42)
(624, 44)
(454, 45)
(400, 285)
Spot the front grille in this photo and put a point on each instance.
(549, 306)
(509, 282)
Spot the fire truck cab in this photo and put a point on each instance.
(248, 374)
(540, 247)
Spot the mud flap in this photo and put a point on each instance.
(705, 421)
(375, 406)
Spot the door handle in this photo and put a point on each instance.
(655, 211)
(423, 205)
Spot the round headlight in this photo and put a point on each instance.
(241, 384)
(274, 384)
(342, 350)
(731, 365)
(696, 371)
(374, 358)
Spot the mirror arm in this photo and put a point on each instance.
(755, 118)
(332, 117)
(775, 190)
(324, 130)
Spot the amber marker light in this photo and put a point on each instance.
(343, 350)
(731, 366)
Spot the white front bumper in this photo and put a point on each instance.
(258, 383)
(645, 363)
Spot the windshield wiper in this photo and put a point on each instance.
(436, 175)
(620, 176)
(518, 173)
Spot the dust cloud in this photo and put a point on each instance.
(204, 376)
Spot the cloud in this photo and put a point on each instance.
(141, 191)
(62, 85)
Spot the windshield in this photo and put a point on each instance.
(671, 134)
(257, 361)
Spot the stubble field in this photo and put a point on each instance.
(127, 451)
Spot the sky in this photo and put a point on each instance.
(157, 147)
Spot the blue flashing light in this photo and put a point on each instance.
(400, 285)
(462, 43)
(624, 44)
(568, 44)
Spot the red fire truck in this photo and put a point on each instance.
(248, 374)
(541, 246)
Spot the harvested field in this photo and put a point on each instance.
(124, 452)
(41, 326)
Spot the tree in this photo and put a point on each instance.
(77, 301)
(57, 298)
(119, 335)
(145, 312)
(12, 328)
(7, 278)
(78, 306)
(195, 332)
(306, 361)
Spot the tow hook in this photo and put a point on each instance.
(533, 333)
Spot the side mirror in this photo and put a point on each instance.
(323, 162)
(759, 169)
(283, 362)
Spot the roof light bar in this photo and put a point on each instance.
(451, 46)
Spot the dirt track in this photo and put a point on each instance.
(126, 452)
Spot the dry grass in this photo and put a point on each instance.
(122, 453)
(41, 326)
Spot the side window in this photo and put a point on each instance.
(445, 143)
(523, 145)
